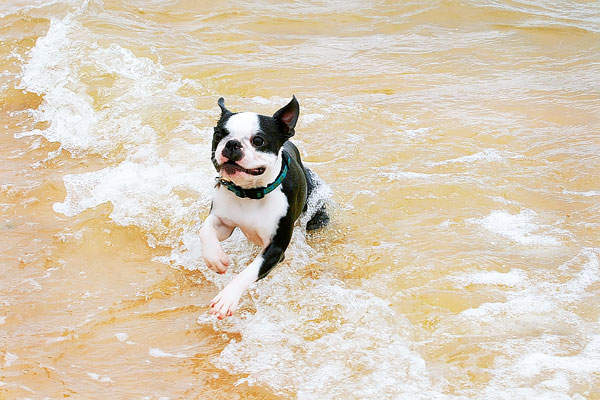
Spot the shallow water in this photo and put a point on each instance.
(460, 144)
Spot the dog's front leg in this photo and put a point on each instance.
(212, 233)
(226, 302)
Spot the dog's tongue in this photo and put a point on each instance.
(231, 168)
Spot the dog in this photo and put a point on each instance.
(262, 189)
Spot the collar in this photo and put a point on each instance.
(257, 193)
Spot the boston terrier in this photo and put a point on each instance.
(262, 189)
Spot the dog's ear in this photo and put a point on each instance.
(288, 115)
(224, 110)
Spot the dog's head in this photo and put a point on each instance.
(246, 147)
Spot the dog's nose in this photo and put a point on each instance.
(233, 150)
(233, 145)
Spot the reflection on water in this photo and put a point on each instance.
(460, 143)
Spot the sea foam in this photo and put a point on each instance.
(487, 155)
(328, 334)
(529, 329)
(520, 228)
(118, 114)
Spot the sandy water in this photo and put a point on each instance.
(460, 142)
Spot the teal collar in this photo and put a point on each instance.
(257, 193)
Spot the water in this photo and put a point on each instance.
(459, 142)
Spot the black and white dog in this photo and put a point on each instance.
(262, 189)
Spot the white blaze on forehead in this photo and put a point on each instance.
(242, 125)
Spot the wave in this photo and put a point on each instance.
(118, 114)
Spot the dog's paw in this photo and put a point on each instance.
(226, 302)
(218, 261)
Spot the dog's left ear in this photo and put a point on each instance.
(224, 110)
(288, 115)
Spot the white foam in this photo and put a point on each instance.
(58, 339)
(262, 100)
(512, 278)
(145, 189)
(9, 359)
(529, 328)
(588, 274)
(587, 362)
(417, 133)
(118, 114)
(328, 334)
(35, 284)
(158, 353)
(503, 200)
(162, 183)
(408, 128)
(310, 118)
(487, 155)
(10, 8)
(122, 336)
(542, 372)
(519, 228)
(99, 378)
(591, 193)
(403, 175)
(527, 310)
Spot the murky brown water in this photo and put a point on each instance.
(460, 141)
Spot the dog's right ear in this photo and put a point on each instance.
(288, 116)
(224, 110)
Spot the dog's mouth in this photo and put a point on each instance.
(231, 167)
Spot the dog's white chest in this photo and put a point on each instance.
(258, 219)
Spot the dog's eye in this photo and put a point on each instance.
(258, 141)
